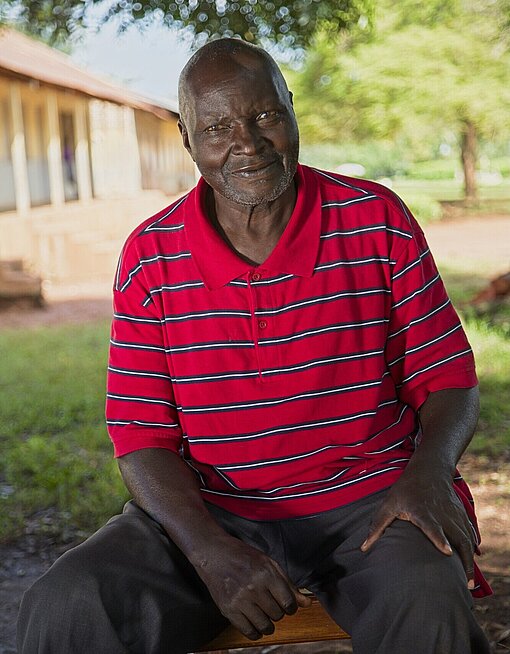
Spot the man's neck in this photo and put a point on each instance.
(251, 231)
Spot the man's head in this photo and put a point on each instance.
(237, 121)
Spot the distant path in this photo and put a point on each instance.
(480, 244)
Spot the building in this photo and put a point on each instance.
(68, 138)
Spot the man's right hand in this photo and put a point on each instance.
(249, 588)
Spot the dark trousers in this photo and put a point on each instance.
(128, 588)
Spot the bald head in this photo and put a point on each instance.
(231, 56)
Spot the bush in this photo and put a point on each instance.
(433, 170)
(502, 165)
(378, 159)
(423, 207)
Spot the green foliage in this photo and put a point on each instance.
(433, 170)
(492, 351)
(289, 22)
(379, 158)
(57, 452)
(502, 165)
(491, 345)
(431, 70)
(423, 207)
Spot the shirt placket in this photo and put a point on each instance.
(258, 325)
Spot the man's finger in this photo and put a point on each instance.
(286, 594)
(377, 529)
(259, 619)
(302, 600)
(434, 532)
(465, 550)
(243, 625)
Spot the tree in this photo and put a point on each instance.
(289, 22)
(431, 67)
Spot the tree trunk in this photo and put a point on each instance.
(468, 155)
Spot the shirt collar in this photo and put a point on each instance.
(295, 253)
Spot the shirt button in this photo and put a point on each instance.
(256, 276)
(262, 324)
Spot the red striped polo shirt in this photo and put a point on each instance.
(292, 387)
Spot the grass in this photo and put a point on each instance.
(491, 198)
(56, 455)
(489, 335)
(57, 452)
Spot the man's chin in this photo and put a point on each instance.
(261, 194)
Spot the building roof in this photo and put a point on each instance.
(25, 57)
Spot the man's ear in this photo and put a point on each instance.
(185, 137)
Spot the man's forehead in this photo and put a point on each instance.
(229, 66)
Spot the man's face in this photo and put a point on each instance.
(241, 130)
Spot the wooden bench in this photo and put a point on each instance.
(18, 284)
(311, 624)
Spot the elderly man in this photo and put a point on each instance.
(289, 393)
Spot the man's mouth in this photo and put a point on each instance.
(254, 170)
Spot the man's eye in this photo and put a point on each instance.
(215, 128)
(268, 115)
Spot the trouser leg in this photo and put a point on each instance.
(128, 588)
(401, 597)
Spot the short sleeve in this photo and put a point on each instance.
(427, 349)
(140, 407)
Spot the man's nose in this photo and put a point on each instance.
(247, 139)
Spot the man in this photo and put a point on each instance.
(289, 393)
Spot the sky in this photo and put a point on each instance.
(149, 61)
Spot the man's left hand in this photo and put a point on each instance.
(431, 504)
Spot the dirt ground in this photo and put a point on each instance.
(482, 250)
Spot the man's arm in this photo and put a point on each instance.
(249, 588)
(424, 494)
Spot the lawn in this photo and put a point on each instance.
(55, 450)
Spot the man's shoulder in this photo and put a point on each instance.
(354, 186)
(168, 221)
(342, 190)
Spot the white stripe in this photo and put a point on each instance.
(394, 230)
(418, 292)
(168, 213)
(346, 203)
(351, 232)
(174, 287)
(283, 400)
(387, 449)
(411, 265)
(424, 345)
(313, 332)
(139, 346)
(281, 430)
(207, 346)
(142, 423)
(418, 320)
(269, 462)
(312, 482)
(318, 300)
(124, 316)
(434, 365)
(274, 371)
(159, 257)
(208, 314)
(133, 398)
(135, 373)
(356, 262)
(341, 182)
(350, 482)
